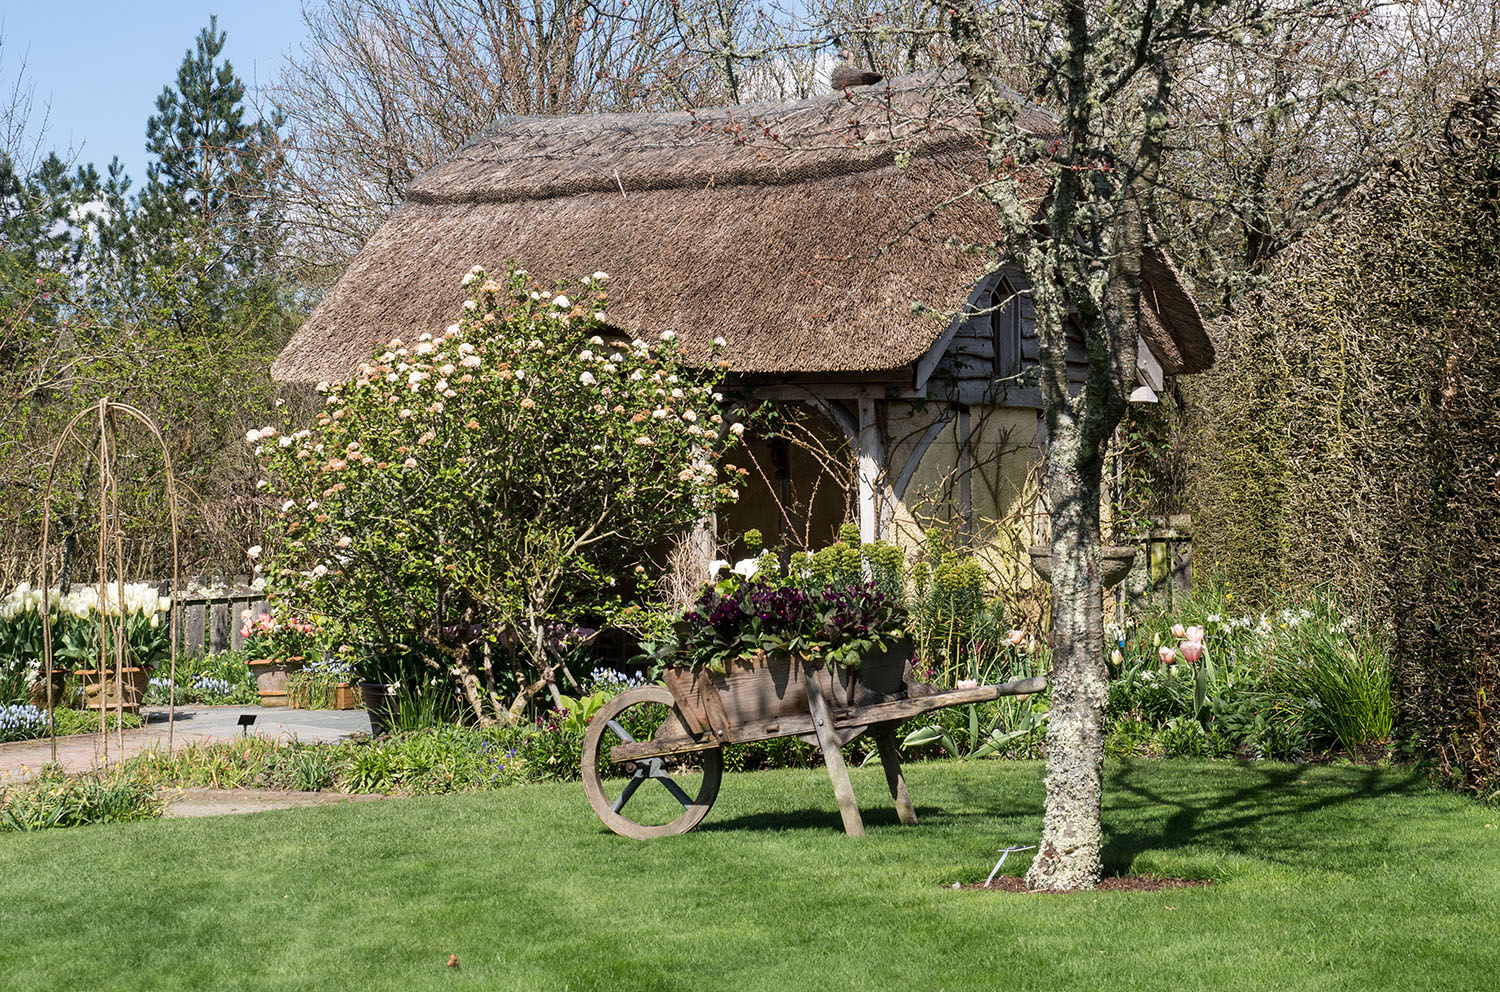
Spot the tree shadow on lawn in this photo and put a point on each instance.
(819, 818)
(1286, 814)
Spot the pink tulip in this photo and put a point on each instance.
(1167, 655)
(1195, 634)
(1015, 637)
(1192, 651)
(1178, 631)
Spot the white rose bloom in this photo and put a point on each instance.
(668, 335)
(719, 342)
(596, 341)
(254, 550)
(587, 379)
(561, 302)
(601, 276)
(636, 376)
(320, 571)
(736, 429)
(470, 305)
(689, 416)
(585, 355)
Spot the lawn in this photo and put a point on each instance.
(1324, 878)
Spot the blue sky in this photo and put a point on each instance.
(102, 64)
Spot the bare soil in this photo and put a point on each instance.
(1113, 883)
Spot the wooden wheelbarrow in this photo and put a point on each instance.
(673, 734)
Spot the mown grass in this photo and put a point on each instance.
(1324, 878)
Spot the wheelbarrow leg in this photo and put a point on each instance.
(885, 740)
(833, 756)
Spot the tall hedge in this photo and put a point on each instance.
(1350, 438)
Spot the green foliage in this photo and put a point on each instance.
(54, 800)
(162, 301)
(820, 608)
(1349, 435)
(1281, 685)
(475, 497)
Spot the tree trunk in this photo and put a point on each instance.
(1068, 855)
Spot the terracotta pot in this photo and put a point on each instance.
(1116, 560)
(270, 677)
(104, 691)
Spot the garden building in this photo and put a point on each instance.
(812, 238)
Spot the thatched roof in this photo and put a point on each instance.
(789, 229)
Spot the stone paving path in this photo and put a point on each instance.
(194, 724)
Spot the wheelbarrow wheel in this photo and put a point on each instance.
(650, 797)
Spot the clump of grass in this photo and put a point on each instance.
(53, 800)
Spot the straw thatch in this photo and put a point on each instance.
(795, 231)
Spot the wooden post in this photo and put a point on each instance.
(965, 473)
(890, 759)
(871, 459)
(833, 754)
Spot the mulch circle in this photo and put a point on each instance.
(1114, 883)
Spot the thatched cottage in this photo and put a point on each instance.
(805, 235)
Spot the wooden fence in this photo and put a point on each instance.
(211, 614)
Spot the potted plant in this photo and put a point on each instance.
(124, 678)
(384, 676)
(755, 639)
(323, 685)
(277, 648)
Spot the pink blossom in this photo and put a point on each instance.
(1167, 655)
(1016, 637)
(1178, 631)
(1195, 634)
(1192, 651)
(966, 684)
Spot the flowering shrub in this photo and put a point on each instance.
(461, 494)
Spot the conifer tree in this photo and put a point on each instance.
(207, 213)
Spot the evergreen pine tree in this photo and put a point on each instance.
(207, 213)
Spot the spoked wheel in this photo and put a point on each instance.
(652, 797)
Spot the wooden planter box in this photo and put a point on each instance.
(270, 678)
(126, 695)
(343, 697)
